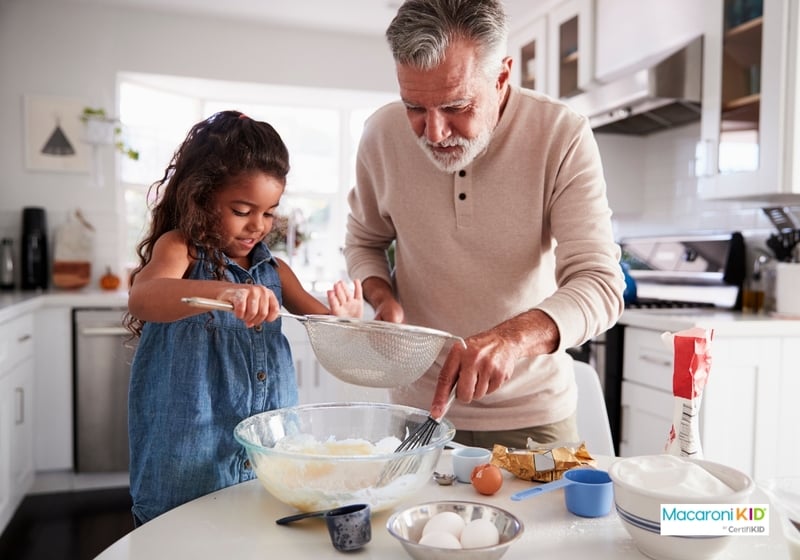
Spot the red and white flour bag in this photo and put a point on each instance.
(691, 366)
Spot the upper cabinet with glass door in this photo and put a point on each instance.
(570, 48)
(747, 149)
(527, 48)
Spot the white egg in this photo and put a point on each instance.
(479, 533)
(440, 539)
(447, 522)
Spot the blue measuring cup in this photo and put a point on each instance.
(587, 492)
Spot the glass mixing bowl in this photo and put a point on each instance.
(323, 456)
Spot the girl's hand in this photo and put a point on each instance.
(343, 303)
(253, 304)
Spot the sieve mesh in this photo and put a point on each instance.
(374, 353)
(368, 353)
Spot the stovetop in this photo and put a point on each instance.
(655, 303)
(691, 271)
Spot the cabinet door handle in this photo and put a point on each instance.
(19, 414)
(657, 360)
(705, 161)
(24, 338)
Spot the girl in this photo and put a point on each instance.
(196, 374)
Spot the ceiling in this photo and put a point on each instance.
(351, 16)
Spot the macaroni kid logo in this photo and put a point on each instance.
(715, 519)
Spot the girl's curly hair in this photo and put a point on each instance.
(220, 148)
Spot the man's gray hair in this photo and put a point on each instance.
(423, 29)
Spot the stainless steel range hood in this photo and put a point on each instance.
(665, 95)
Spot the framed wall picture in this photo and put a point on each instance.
(54, 135)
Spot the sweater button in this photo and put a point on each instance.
(462, 173)
(462, 196)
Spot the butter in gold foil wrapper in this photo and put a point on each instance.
(541, 463)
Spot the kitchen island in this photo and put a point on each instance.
(239, 522)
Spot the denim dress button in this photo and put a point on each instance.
(261, 376)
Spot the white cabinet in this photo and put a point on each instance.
(570, 48)
(747, 417)
(528, 47)
(646, 417)
(653, 29)
(53, 440)
(749, 147)
(16, 413)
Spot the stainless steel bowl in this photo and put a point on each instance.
(406, 526)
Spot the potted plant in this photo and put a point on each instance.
(102, 129)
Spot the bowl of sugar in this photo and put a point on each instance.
(643, 484)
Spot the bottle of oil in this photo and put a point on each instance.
(753, 293)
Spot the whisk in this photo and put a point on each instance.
(424, 433)
(420, 437)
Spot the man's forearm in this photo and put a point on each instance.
(532, 332)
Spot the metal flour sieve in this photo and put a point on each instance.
(366, 353)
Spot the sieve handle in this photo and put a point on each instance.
(206, 303)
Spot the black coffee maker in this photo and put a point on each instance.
(34, 261)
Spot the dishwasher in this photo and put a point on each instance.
(102, 354)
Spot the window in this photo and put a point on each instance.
(321, 128)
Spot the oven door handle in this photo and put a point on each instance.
(104, 331)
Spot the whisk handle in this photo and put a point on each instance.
(449, 402)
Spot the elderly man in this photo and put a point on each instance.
(495, 198)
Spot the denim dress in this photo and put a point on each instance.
(192, 381)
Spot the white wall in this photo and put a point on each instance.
(652, 188)
(76, 51)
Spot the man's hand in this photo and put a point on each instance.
(489, 359)
(379, 294)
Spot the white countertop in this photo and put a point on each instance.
(724, 322)
(239, 522)
(16, 303)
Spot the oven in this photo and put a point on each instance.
(690, 271)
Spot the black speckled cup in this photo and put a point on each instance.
(349, 526)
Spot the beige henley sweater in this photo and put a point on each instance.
(526, 225)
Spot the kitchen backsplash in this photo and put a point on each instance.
(653, 190)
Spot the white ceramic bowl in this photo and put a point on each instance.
(309, 477)
(406, 526)
(639, 510)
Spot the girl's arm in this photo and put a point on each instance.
(156, 293)
(342, 301)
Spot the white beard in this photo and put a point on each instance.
(452, 162)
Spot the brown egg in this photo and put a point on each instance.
(487, 479)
